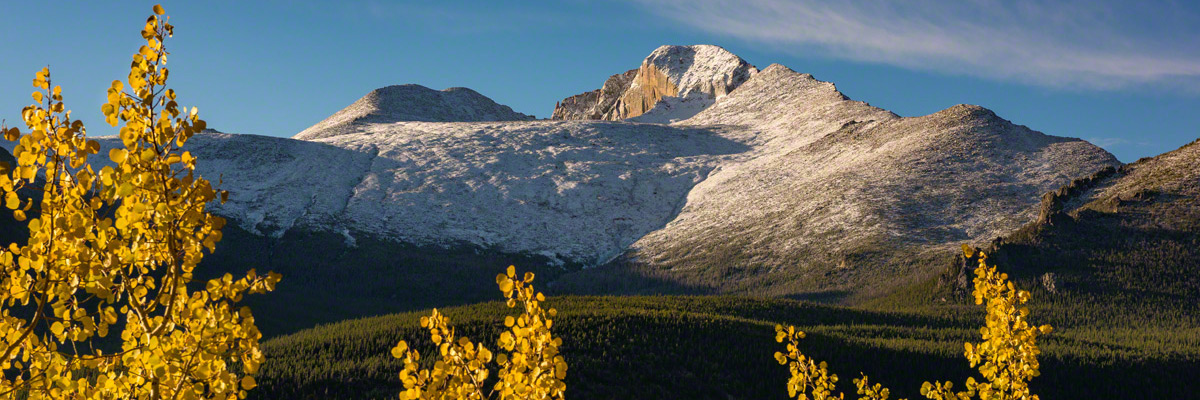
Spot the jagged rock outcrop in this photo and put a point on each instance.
(412, 103)
(1053, 202)
(578, 107)
(955, 282)
(597, 103)
(697, 75)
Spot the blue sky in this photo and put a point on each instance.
(1124, 75)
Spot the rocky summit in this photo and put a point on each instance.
(673, 83)
(412, 103)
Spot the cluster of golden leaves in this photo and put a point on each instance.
(458, 374)
(528, 365)
(868, 392)
(116, 249)
(1007, 357)
(808, 377)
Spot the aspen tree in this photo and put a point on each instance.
(116, 249)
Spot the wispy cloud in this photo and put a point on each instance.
(1108, 142)
(1111, 143)
(1085, 44)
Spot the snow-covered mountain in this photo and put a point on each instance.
(837, 192)
(773, 182)
(412, 103)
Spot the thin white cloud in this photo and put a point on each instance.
(1111, 143)
(1085, 44)
(1108, 143)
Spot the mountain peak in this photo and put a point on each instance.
(695, 76)
(412, 102)
(969, 109)
(776, 67)
(701, 68)
(968, 113)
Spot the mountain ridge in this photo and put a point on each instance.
(1132, 230)
(780, 186)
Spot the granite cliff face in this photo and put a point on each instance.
(412, 103)
(697, 75)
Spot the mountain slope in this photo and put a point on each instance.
(7, 158)
(573, 191)
(843, 199)
(1124, 238)
(412, 103)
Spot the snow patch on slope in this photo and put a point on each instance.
(274, 183)
(674, 109)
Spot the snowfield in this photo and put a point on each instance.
(572, 191)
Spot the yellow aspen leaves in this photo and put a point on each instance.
(458, 373)
(83, 273)
(1007, 357)
(248, 382)
(868, 392)
(530, 366)
(11, 200)
(117, 155)
(808, 377)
